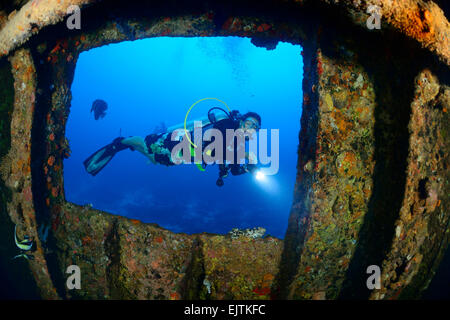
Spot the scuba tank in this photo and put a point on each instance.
(211, 118)
(233, 115)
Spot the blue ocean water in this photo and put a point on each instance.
(146, 82)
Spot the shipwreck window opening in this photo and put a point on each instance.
(150, 84)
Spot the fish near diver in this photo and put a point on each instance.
(99, 107)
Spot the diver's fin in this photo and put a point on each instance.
(97, 161)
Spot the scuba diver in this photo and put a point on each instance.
(158, 146)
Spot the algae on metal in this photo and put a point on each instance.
(322, 233)
(16, 279)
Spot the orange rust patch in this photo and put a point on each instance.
(51, 160)
(262, 291)
(165, 32)
(132, 265)
(417, 23)
(319, 67)
(263, 27)
(86, 240)
(174, 296)
(54, 192)
(154, 265)
(268, 277)
(347, 163)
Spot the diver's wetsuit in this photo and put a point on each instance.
(158, 148)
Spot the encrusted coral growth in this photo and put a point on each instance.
(351, 170)
(420, 234)
(18, 179)
(121, 258)
(240, 267)
(251, 233)
(126, 259)
(31, 18)
(422, 20)
(342, 170)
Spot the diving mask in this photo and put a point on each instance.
(251, 123)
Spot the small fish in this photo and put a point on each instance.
(99, 107)
(25, 244)
(24, 255)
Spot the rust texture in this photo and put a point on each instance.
(421, 20)
(342, 168)
(422, 226)
(16, 165)
(372, 172)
